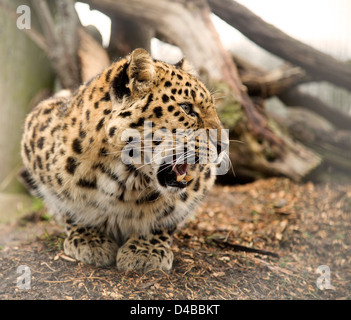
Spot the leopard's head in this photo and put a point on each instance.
(165, 120)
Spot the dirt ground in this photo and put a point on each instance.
(297, 230)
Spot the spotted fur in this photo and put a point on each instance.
(71, 148)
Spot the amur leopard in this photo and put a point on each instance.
(80, 155)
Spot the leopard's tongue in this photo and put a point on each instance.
(181, 172)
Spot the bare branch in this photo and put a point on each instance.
(46, 21)
(62, 40)
(68, 26)
(295, 97)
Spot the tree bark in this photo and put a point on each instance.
(127, 35)
(332, 145)
(173, 20)
(320, 66)
(61, 39)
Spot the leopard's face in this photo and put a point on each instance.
(165, 122)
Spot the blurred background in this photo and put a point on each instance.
(290, 90)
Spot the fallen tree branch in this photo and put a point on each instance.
(319, 65)
(282, 83)
(274, 82)
(294, 97)
(276, 269)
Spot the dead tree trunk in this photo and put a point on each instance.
(320, 127)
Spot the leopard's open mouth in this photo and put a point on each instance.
(174, 175)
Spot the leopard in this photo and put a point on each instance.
(80, 152)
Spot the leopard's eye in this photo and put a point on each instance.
(188, 109)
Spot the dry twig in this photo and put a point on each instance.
(238, 247)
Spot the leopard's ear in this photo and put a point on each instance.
(135, 75)
(141, 66)
(179, 64)
(186, 66)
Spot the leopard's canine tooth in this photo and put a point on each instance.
(181, 177)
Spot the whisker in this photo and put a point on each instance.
(238, 141)
(231, 163)
(141, 192)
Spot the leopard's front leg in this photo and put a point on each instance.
(152, 252)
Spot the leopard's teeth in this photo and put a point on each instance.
(181, 177)
(188, 178)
